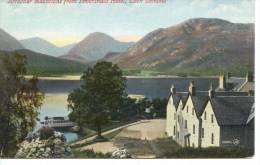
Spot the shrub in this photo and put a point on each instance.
(90, 154)
(46, 132)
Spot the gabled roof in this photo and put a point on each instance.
(232, 110)
(234, 83)
(200, 99)
(247, 86)
(177, 97)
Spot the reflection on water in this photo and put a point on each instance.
(56, 105)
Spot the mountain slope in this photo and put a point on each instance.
(44, 65)
(8, 42)
(194, 44)
(95, 46)
(40, 45)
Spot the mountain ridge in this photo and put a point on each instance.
(8, 42)
(43, 46)
(200, 43)
(95, 46)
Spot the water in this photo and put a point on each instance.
(56, 92)
(150, 87)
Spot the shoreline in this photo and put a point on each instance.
(68, 77)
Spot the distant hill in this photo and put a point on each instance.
(110, 56)
(40, 45)
(95, 46)
(8, 42)
(201, 44)
(44, 65)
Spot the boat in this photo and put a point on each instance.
(57, 122)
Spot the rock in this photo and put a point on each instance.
(48, 150)
(42, 150)
(54, 147)
(68, 149)
(33, 150)
(121, 153)
(45, 155)
(57, 141)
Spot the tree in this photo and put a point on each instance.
(19, 100)
(101, 94)
(159, 106)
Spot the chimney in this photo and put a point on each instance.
(173, 91)
(250, 77)
(222, 83)
(192, 89)
(228, 75)
(211, 92)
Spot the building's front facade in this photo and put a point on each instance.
(209, 119)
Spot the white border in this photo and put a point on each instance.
(252, 161)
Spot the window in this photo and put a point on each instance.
(212, 138)
(193, 129)
(174, 130)
(178, 134)
(185, 124)
(174, 116)
(202, 133)
(187, 109)
(205, 115)
(212, 118)
(193, 111)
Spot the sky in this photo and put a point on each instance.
(63, 24)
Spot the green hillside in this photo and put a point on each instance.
(44, 65)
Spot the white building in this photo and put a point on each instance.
(196, 119)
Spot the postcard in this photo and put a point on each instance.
(127, 79)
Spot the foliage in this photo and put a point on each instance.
(159, 107)
(210, 152)
(19, 101)
(46, 132)
(100, 95)
(90, 154)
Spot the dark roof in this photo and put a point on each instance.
(200, 99)
(231, 93)
(177, 97)
(235, 83)
(232, 110)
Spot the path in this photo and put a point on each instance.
(106, 132)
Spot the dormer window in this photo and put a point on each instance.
(205, 115)
(193, 111)
(187, 109)
(212, 118)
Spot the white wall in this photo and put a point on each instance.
(210, 128)
(170, 117)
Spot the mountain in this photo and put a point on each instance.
(40, 45)
(110, 56)
(8, 42)
(95, 46)
(194, 45)
(45, 65)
